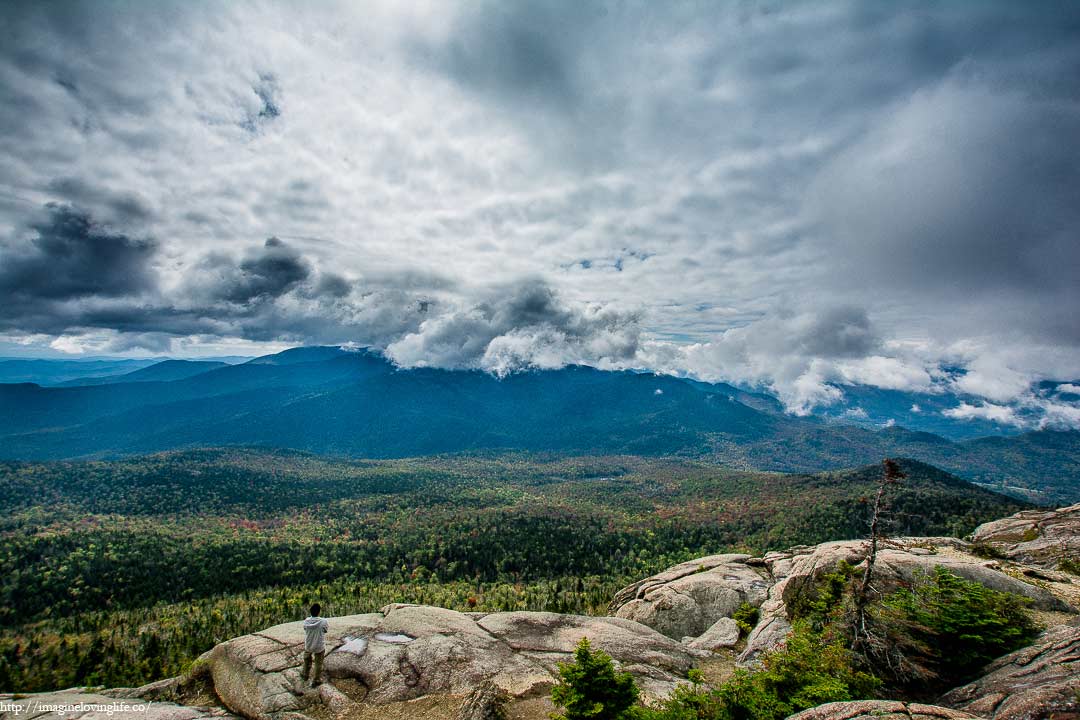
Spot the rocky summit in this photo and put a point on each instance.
(411, 661)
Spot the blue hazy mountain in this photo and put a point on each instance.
(164, 371)
(356, 404)
(328, 400)
(877, 408)
(52, 372)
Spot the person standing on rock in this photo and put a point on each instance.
(315, 628)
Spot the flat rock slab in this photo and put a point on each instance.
(413, 651)
(626, 641)
(77, 704)
(879, 709)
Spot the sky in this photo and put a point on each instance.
(797, 196)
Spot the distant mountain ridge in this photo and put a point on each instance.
(356, 403)
(51, 372)
(164, 371)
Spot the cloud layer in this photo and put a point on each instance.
(800, 197)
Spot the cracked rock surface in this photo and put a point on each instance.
(689, 598)
(1035, 537)
(1039, 681)
(880, 710)
(410, 651)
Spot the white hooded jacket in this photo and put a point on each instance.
(314, 630)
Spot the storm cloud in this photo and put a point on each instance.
(106, 282)
(68, 257)
(794, 196)
(968, 190)
(267, 273)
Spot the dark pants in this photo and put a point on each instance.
(317, 677)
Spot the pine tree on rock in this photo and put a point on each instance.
(590, 688)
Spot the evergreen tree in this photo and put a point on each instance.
(591, 689)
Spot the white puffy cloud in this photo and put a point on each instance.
(1059, 415)
(985, 411)
(891, 373)
(990, 378)
(525, 326)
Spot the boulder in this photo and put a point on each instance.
(1035, 537)
(1039, 681)
(880, 710)
(723, 634)
(899, 561)
(770, 631)
(687, 599)
(624, 640)
(898, 565)
(486, 702)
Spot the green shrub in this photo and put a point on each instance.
(687, 702)
(591, 689)
(986, 550)
(1070, 565)
(819, 601)
(197, 669)
(948, 628)
(746, 617)
(805, 671)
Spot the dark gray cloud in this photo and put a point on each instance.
(333, 285)
(541, 64)
(77, 276)
(73, 273)
(124, 208)
(68, 256)
(968, 191)
(268, 273)
(528, 52)
(840, 332)
(268, 92)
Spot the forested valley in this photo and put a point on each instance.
(121, 572)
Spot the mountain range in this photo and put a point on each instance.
(357, 404)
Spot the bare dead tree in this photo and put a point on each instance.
(891, 475)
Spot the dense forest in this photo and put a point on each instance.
(122, 572)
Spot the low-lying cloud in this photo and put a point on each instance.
(524, 326)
